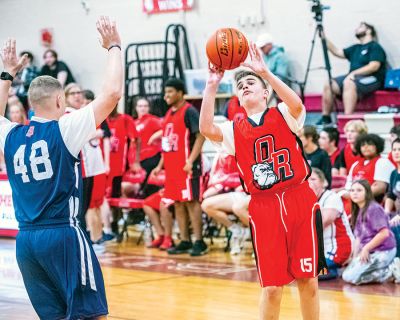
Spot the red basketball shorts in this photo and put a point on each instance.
(98, 191)
(153, 201)
(184, 189)
(286, 229)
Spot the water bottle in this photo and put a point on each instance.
(147, 233)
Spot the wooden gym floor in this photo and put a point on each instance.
(146, 284)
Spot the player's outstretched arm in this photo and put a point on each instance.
(207, 127)
(112, 88)
(11, 65)
(288, 96)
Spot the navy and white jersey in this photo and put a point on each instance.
(43, 167)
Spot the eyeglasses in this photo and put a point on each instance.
(73, 93)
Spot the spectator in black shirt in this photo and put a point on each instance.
(329, 141)
(316, 157)
(55, 68)
(366, 74)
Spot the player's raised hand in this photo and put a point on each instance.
(9, 58)
(215, 75)
(108, 32)
(257, 63)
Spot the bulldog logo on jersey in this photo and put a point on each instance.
(272, 166)
(263, 175)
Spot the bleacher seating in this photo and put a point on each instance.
(368, 104)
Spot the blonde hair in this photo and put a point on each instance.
(21, 108)
(41, 89)
(69, 86)
(358, 125)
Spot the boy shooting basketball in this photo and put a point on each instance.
(284, 215)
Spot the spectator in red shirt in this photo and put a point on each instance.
(349, 155)
(149, 129)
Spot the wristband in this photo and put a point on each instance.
(114, 46)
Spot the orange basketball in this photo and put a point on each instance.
(227, 48)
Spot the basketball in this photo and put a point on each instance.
(227, 48)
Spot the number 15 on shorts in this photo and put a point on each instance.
(306, 264)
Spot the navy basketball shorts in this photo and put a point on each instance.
(286, 229)
(61, 273)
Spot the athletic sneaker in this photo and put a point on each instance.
(199, 248)
(98, 248)
(182, 247)
(168, 243)
(324, 120)
(156, 242)
(238, 237)
(108, 236)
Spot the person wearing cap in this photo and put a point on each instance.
(274, 56)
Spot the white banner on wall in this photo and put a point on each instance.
(7, 215)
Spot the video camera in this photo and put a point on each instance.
(317, 8)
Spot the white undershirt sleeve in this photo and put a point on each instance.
(228, 143)
(383, 170)
(5, 128)
(294, 124)
(77, 128)
(349, 180)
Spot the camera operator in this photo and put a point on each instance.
(366, 75)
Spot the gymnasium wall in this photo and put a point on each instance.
(290, 22)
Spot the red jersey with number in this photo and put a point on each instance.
(350, 157)
(146, 126)
(122, 128)
(176, 144)
(365, 170)
(234, 110)
(270, 156)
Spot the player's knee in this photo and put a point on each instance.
(206, 205)
(272, 293)
(349, 85)
(310, 285)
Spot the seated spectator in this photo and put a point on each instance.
(17, 114)
(349, 155)
(329, 141)
(56, 68)
(274, 56)
(221, 205)
(338, 237)
(161, 219)
(24, 79)
(375, 245)
(316, 157)
(366, 74)
(394, 134)
(393, 195)
(372, 167)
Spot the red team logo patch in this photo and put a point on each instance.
(271, 165)
(30, 131)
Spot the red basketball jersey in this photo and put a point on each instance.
(364, 170)
(350, 157)
(122, 128)
(176, 143)
(146, 126)
(269, 155)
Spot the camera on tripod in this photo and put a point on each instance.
(317, 8)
